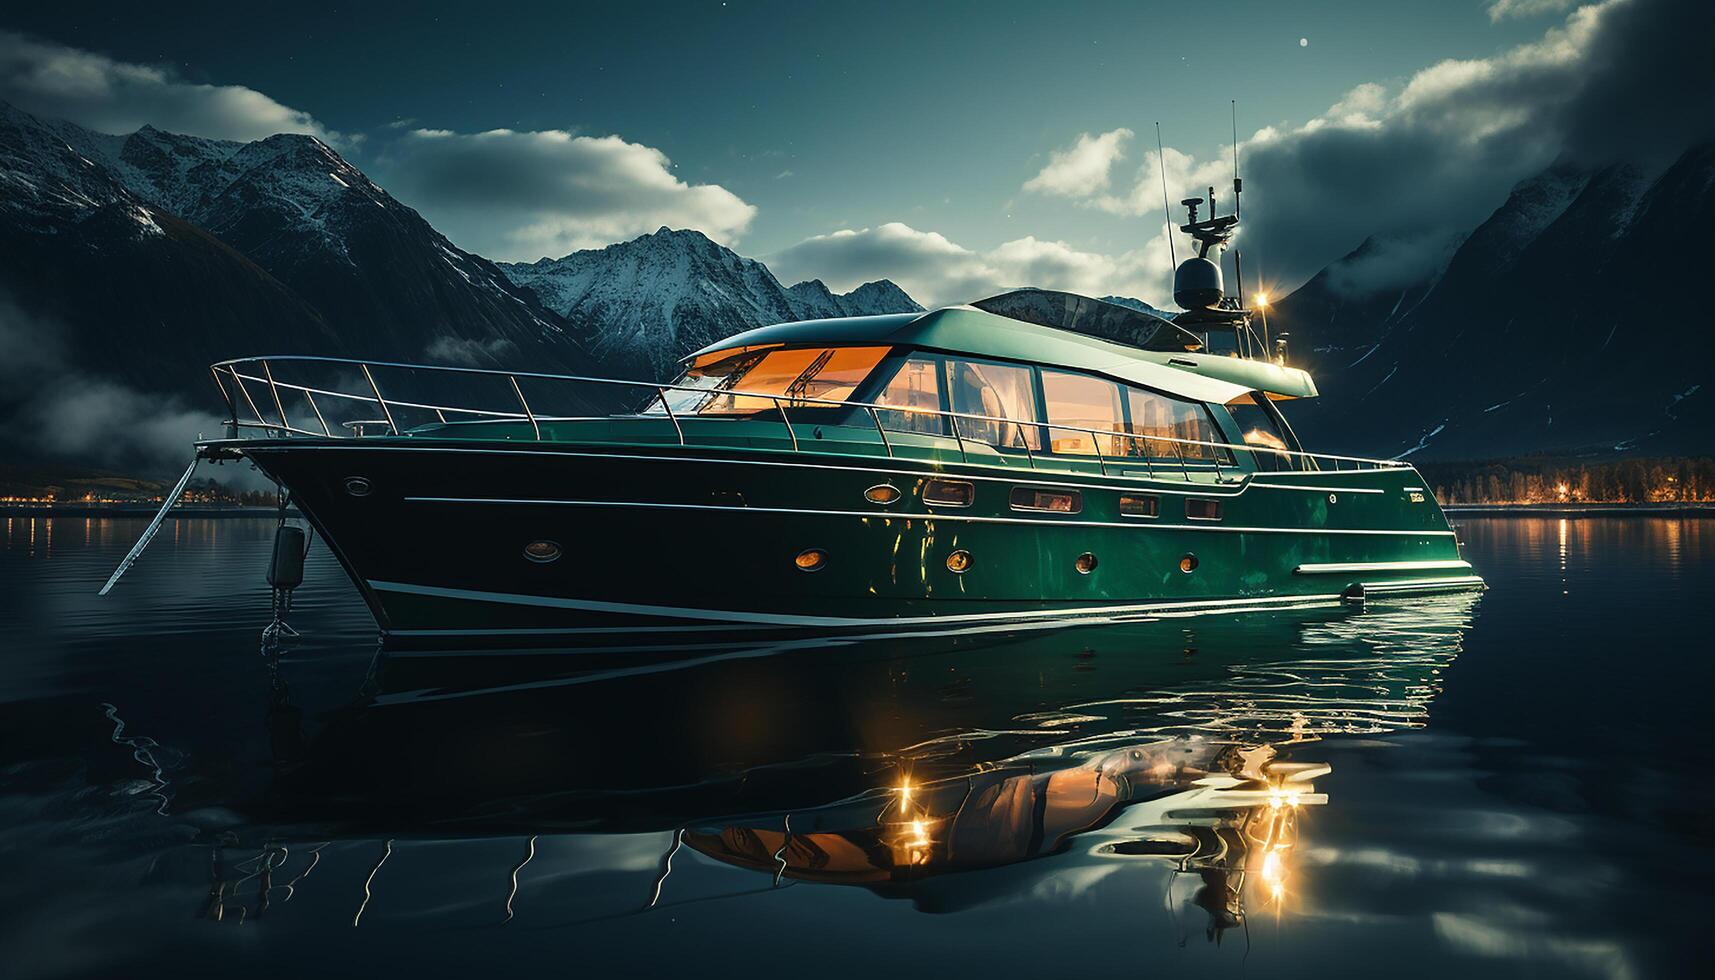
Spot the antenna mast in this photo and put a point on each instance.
(1166, 211)
(1238, 185)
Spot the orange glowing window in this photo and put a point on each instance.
(1082, 402)
(1055, 501)
(802, 377)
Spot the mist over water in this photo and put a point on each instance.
(1498, 784)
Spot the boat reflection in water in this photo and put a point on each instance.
(949, 771)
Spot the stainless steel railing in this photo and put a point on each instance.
(234, 378)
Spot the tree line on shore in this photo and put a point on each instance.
(1661, 479)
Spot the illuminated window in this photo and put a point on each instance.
(949, 493)
(1171, 428)
(916, 390)
(1056, 501)
(1258, 424)
(996, 391)
(1087, 403)
(1137, 505)
(796, 374)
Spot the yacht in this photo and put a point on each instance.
(1033, 455)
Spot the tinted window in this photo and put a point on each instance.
(828, 373)
(1136, 505)
(1057, 501)
(1171, 428)
(949, 493)
(1258, 427)
(1202, 509)
(997, 391)
(916, 390)
(1086, 403)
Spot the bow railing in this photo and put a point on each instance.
(313, 405)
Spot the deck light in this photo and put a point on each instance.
(959, 562)
(881, 493)
(1084, 563)
(542, 552)
(811, 560)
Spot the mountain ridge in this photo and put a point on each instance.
(641, 305)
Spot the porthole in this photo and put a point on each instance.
(542, 552)
(959, 562)
(1188, 563)
(1084, 563)
(882, 493)
(811, 560)
(949, 493)
(358, 486)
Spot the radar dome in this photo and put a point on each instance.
(1197, 284)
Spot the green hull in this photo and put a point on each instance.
(653, 534)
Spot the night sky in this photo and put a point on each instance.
(854, 140)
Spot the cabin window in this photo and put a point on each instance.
(1084, 402)
(949, 493)
(1054, 501)
(996, 391)
(1202, 509)
(1165, 427)
(797, 374)
(916, 390)
(1139, 505)
(1259, 426)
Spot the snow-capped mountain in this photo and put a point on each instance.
(1562, 324)
(97, 278)
(394, 286)
(639, 306)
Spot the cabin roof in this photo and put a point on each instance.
(967, 330)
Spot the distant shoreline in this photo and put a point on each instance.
(1584, 510)
(241, 510)
(139, 510)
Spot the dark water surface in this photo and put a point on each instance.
(1504, 785)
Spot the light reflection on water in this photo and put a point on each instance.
(1488, 784)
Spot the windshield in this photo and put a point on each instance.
(801, 377)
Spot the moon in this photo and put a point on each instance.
(1304, 42)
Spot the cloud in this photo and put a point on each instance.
(110, 96)
(1083, 167)
(525, 195)
(1503, 9)
(939, 272)
(61, 412)
(1431, 158)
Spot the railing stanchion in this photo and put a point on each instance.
(1024, 437)
(963, 456)
(391, 425)
(1096, 444)
(526, 405)
(244, 389)
(880, 430)
(311, 398)
(1183, 468)
(662, 392)
(273, 388)
(788, 421)
(231, 406)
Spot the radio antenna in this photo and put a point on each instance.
(1237, 184)
(1166, 212)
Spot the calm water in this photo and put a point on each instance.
(1515, 784)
